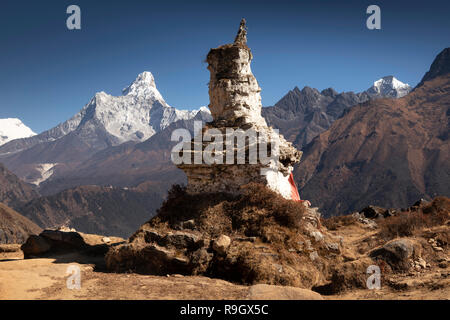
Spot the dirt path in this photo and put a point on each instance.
(46, 279)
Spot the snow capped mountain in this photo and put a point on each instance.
(135, 116)
(12, 128)
(388, 87)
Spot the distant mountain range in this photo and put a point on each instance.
(303, 114)
(60, 157)
(387, 152)
(106, 121)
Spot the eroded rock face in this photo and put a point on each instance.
(235, 104)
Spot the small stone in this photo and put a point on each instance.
(106, 240)
(190, 224)
(317, 236)
(313, 255)
(438, 249)
(221, 244)
(332, 246)
(279, 267)
(422, 263)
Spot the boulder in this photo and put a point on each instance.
(420, 202)
(180, 240)
(221, 244)
(189, 224)
(271, 292)
(64, 240)
(58, 241)
(148, 259)
(35, 246)
(373, 212)
(396, 253)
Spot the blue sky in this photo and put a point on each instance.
(48, 73)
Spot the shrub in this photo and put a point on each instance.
(248, 213)
(333, 223)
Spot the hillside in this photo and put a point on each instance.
(93, 209)
(13, 191)
(387, 152)
(15, 228)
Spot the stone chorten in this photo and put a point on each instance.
(235, 104)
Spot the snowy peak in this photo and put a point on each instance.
(144, 85)
(388, 87)
(13, 128)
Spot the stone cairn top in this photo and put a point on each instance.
(241, 37)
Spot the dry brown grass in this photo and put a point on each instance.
(408, 223)
(248, 214)
(333, 223)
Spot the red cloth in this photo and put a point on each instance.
(294, 191)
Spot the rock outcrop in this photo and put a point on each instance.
(235, 105)
(64, 240)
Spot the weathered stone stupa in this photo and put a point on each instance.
(244, 148)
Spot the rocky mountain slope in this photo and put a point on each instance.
(11, 129)
(386, 151)
(15, 228)
(13, 191)
(303, 114)
(93, 209)
(129, 164)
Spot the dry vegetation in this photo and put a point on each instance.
(248, 214)
(411, 222)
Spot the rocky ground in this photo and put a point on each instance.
(413, 258)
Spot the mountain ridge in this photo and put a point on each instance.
(386, 152)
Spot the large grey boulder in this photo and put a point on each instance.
(396, 253)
